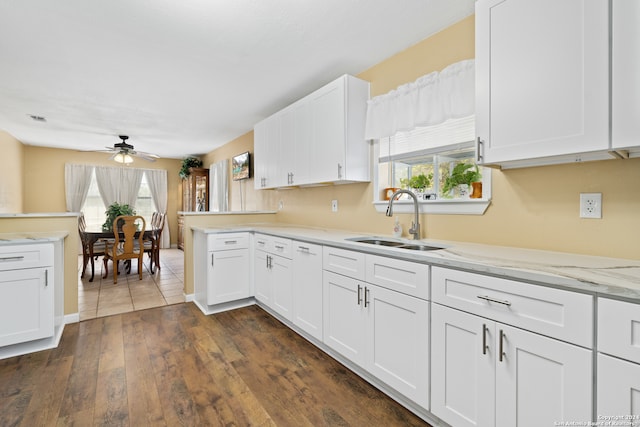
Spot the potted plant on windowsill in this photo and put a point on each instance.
(460, 179)
(418, 184)
(115, 209)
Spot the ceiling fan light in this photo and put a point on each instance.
(123, 158)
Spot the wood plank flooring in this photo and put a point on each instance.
(173, 366)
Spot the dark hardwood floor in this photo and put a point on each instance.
(173, 366)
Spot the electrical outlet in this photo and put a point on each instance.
(334, 206)
(590, 205)
(280, 205)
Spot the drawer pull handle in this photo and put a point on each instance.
(303, 249)
(46, 278)
(279, 247)
(502, 337)
(366, 296)
(489, 299)
(485, 347)
(12, 258)
(359, 297)
(230, 242)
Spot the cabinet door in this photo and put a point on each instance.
(398, 341)
(541, 381)
(228, 276)
(541, 78)
(266, 151)
(26, 305)
(343, 316)
(462, 367)
(328, 131)
(307, 288)
(281, 286)
(262, 278)
(618, 389)
(625, 79)
(295, 153)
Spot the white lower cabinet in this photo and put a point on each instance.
(307, 288)
(485, 373)
(384, 331)
(618, 381)
(618, 390)
(273, 274)
(220, 274)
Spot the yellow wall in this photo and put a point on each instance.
(532, 207)
(44, 179)
(11, 176)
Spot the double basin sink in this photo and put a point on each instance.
(380, 241)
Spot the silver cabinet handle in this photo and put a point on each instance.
(339, 171)
(12, 258)
(279, 247)
(485, 347)
(230, 242)
(479, 147)
(502, 337)
(489, 299)
(303, 249)
(211, 259)
(359, 297)
(269, 261)
(46, 278)
(366, 296)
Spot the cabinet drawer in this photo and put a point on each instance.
(553, 312)
(408, 277)
(14, 257)
(345, 262)
(280, 246)
(307, 248)
(619, 329)
(223, 241)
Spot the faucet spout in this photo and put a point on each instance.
(415, 225)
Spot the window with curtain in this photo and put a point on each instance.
(427, 127)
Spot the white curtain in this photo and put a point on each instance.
(129, 187)
(118, 184)
(219, 184)
(157, 180)
(431, 100)
(77, 179)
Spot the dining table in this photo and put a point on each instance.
(91, 236)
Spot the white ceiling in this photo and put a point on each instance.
(182, 77)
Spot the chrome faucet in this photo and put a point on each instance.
(415, 225)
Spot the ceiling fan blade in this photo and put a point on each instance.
(145, 156)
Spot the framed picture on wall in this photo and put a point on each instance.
(241, 166)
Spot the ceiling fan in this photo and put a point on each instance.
(123, 152)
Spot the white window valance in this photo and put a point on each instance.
(430, 100)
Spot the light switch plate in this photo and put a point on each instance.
(590, 205)
(334, 206)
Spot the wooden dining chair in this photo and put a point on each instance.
(152, 245)
(127, 246)
(98, 247)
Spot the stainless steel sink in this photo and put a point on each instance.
(379, 241)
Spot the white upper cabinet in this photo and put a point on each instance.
(542, 81)
(625, 97)
(318, 139)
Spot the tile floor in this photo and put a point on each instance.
(102, 298)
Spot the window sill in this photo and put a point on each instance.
(442, 206)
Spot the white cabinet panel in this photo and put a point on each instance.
(625, 67)
(262, 278)
(542, 79)
(228, 276)
(307, 288)
(26, 305)
(398, 341)
(343, 317)
(281, 286)
(342, 261)
(619, 329)
(408, 277)
(618, 390)
(540, 381)
(462, 367)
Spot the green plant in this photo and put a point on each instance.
(187, 163)
(115, 209)
(418, 182)
(462, 173)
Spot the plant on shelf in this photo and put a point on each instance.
(188, 163)
(462, 174)
(115, 209)
(417, 182)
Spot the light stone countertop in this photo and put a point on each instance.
(31, 237)
(610, 277)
